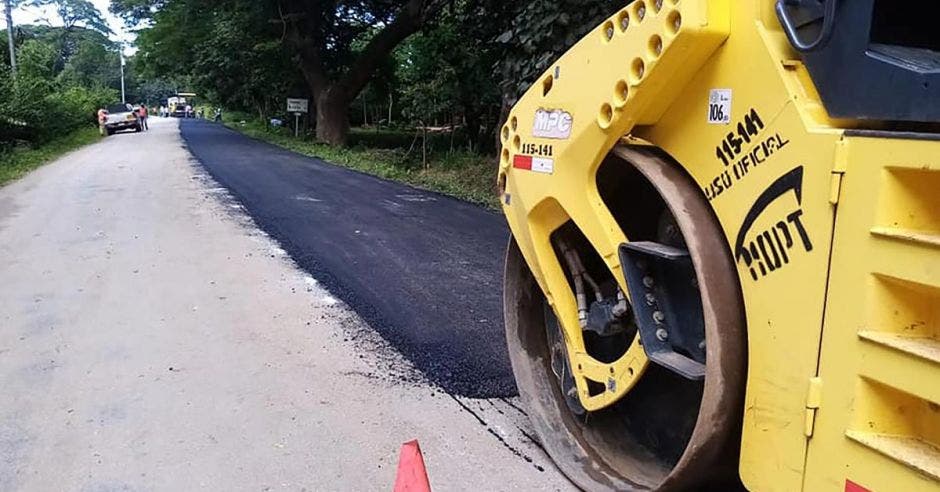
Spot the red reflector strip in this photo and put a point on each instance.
(543, 165)
(522, 162)
(851, 486)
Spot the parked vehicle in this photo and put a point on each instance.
(181, 105)
(121, 117)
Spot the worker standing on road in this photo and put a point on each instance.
(102, 118)
(143, 116)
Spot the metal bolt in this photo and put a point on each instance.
(610, 32)
(641, 12)
(621, 308)
(648, 282)
(662, 335)
(625, 23)
(650, 299)
(658, 317)
(701, 345)
(658, 4)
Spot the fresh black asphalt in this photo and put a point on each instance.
(423, 269)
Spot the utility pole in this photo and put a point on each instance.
(8, 8)
(123, 98)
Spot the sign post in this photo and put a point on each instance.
(297, 106)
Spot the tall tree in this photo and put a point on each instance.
(321, 33)
(73, 14)
(260, 76)
(447, 67)
(8, 12)
(229, 51)
(137, 12)
(95, 62)
(76, 13)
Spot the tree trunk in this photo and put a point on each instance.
(335, 94)
(365, 111)
(8, 12)
(473, 122)
(424, 145)
(332, 118)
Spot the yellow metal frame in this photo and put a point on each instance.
(676, 40)
(647, 74)
(878, 421)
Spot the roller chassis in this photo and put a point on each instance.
(730, 110)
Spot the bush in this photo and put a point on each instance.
(77, 106)
(35, 110)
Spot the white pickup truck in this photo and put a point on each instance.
(121, 117)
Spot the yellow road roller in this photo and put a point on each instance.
(724, 269)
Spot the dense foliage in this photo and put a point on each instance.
(426, 63)
(64, 75)
(416, 65)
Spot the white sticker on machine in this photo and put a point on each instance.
(552, 123)
(719, 107)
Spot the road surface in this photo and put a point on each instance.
(152, 337)
(423, 269)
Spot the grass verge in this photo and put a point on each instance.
(465, 175)
(20, 161)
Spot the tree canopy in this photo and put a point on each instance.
(65, 73)
(423, 61)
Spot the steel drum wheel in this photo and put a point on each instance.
(618, 448)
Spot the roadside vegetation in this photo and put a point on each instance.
(393, 154)
(412, 90)
(17, 162)
(66, 69)
(64, 74)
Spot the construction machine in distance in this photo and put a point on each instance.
(724, 268)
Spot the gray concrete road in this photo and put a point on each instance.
(151, 338)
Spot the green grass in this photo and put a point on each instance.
(465, 175)
(20, 161)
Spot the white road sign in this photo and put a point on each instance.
(296, 105)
